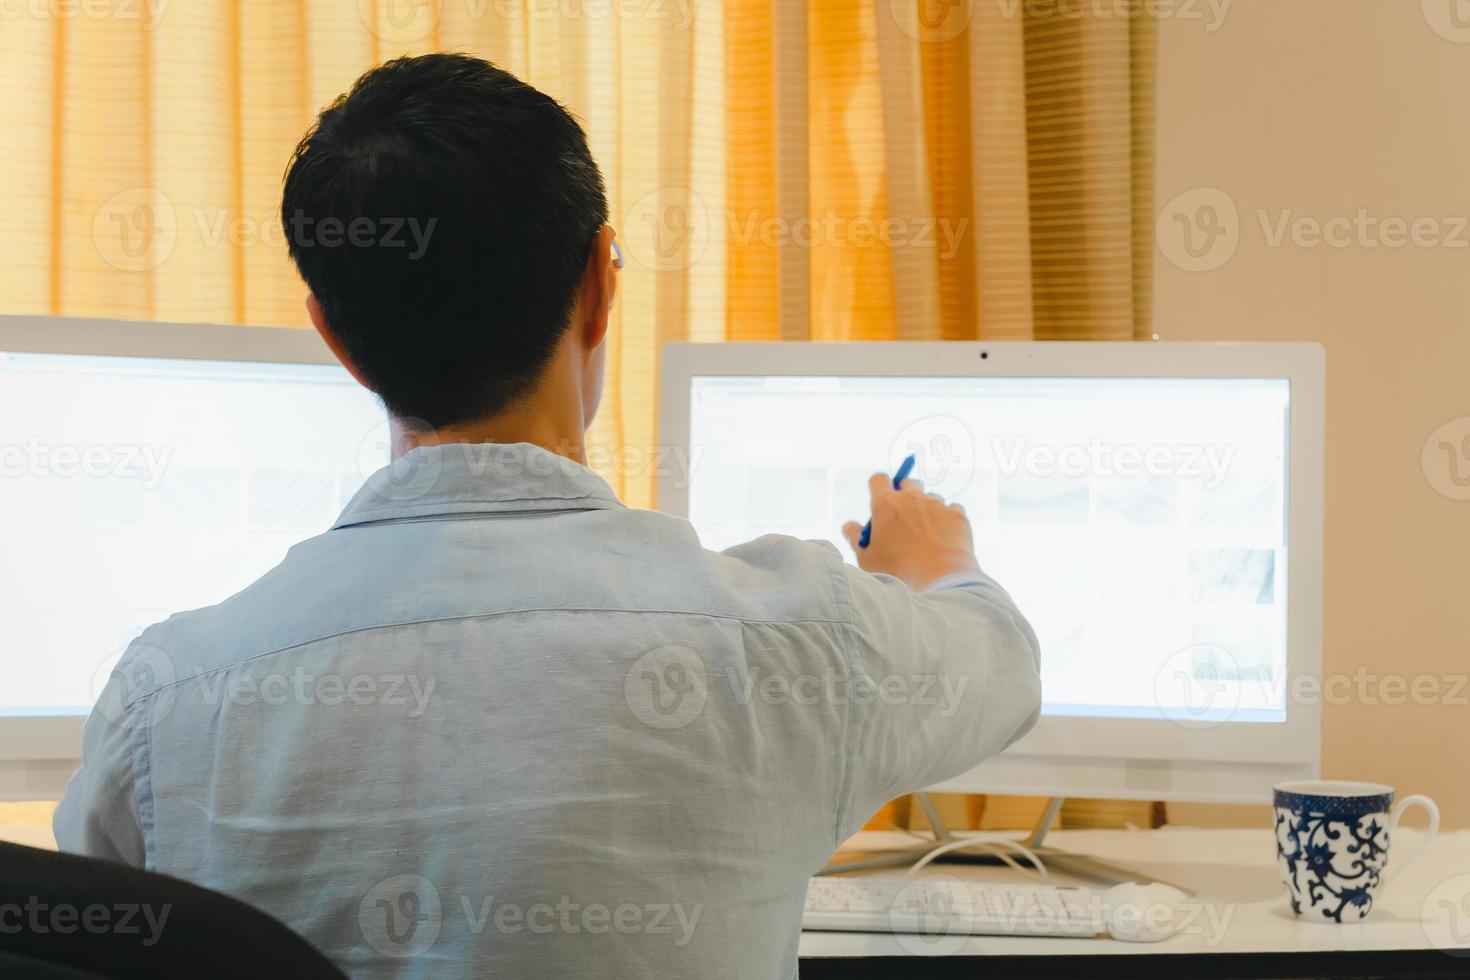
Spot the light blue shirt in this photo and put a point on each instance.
(496, 722)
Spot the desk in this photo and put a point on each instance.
(1420, 925)
(1246, 929)
(28, 824)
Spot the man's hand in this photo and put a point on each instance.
(916, 537)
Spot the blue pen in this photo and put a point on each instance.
(904, 469)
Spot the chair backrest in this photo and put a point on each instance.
(68, 917)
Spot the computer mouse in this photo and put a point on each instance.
(1138, 912)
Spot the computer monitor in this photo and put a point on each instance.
(145, 469)
(1155, 510)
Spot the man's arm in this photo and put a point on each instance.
(98, 815)
(951, 667)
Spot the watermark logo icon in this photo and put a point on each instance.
(1446, 459)
(1196, 687)
(931, 21)
(408, 477)
(1450, 19)
(401, 916)
(933, 915)
(135, 230)
(1199, 230)
(122, 680)
(667, 688)
(667, 230)
(1446, 916)
(944, 451)
(400, 21)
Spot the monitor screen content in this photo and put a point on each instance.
(1139, 523)
(133, 488)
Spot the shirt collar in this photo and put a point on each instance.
(471, 478)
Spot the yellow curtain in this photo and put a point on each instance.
(797, 169)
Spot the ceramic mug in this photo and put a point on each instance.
(1332, 845)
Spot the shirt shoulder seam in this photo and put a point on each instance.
(799, 621)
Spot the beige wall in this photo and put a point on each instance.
(1323, 108)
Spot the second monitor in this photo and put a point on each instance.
(1153, 509)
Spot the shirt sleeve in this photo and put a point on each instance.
(941, 680)
(98, 815)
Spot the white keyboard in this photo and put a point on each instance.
(944, 905)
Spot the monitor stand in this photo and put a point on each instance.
(1077, 865)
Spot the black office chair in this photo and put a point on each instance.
(62, 918)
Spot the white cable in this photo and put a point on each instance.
(989, 845)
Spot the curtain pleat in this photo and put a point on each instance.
(915, 192)
(31, 62)
(752, 266)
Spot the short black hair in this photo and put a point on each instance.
(442, 213)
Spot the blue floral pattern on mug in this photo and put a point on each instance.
(1332, 851)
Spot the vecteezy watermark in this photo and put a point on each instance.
(410, 235)
(147, 12)
(667, 687)
(1367, 687)
(670, 228)
(1450, 19)
(404, 475)
(135, 230)
(124, 679)
(1363, 229)
(36, 916)
(935, 915)
(937, 21)
(308, 688)
(1207, 462)
(1200, 230)
(1143, 919)
(932, 21)
(566, 916)
(832, 229)
(1446, 459)
(942, 692)
(38, 460)
(403, 916)
(138, 230)
(944, 453)
(147, 671)
(1195, 687)
(667, 230)
(1446, 916)
(398, 474)
(1207, 684)
(1210, 14)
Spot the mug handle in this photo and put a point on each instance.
(1393, 822)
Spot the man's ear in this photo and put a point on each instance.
(599, 288)
(318, 320)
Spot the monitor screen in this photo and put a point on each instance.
(133, 488)
(1139, 523)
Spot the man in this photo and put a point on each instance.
(588, 770)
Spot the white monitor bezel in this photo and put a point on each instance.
(38, 754)
(1123, 758)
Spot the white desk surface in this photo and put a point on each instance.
(1242, 904)
(1242, 907)
(35, 832)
